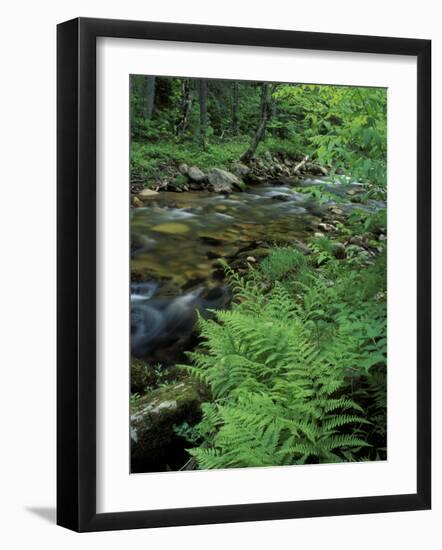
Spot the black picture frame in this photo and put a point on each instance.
(76, 274)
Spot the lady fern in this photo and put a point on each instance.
(286, 371)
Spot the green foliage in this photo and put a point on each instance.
(290, 369)
(134, 398)
(323, 248)
(149, 158)
(280, 262)
(342, 127)
(187, 432)
(374, 222)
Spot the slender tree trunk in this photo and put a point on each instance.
(274, 115)
(202, 92)
(132, 89)
(266, 111)
(187, 94)
(149, 97)
(235, 105)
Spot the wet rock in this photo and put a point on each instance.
(194, 186)
(222, 181)
(354, 191)
(301, 247)
(282, 198)
(147, 193)
(154, 442)
(183, 168)
(137, 202)
(336, 211)
(171, 228)
(211, 241)
(327, 227)
(195, 174)
(141, 243)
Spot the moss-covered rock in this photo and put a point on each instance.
(141, 376)
(154, 443)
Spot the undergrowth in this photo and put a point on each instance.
(297, 367)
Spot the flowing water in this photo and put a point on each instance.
(178, 240)
(178, 237)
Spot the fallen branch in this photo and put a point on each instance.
(300, 165)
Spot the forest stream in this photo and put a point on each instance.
(257, 273)
(181, 243)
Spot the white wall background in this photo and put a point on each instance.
(27, 292)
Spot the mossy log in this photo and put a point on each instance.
(154, 444)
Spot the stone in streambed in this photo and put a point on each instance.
(147, 193)
(137, 202)
(171, 228)
(326, 227)
(222, 181)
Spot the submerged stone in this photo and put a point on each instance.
(171, 228)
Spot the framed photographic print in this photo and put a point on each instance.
(243, 274)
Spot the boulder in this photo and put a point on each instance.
(183, 168)
(299, 245)
(195, 174)
(240, 169)
(222, 181)
(268, 156)
(326, 227)
(155, 445)
(358, 240)
(137, 202)
(339, 251)
(355, 251)
(147, 193)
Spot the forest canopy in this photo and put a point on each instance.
(214, 122)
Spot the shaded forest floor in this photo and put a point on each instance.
(155, 163)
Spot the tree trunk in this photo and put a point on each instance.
(274, 115)
(187, 94)
(266, 110)
(202, 92)
(235, 105)
(149, 96)
(132, 89)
